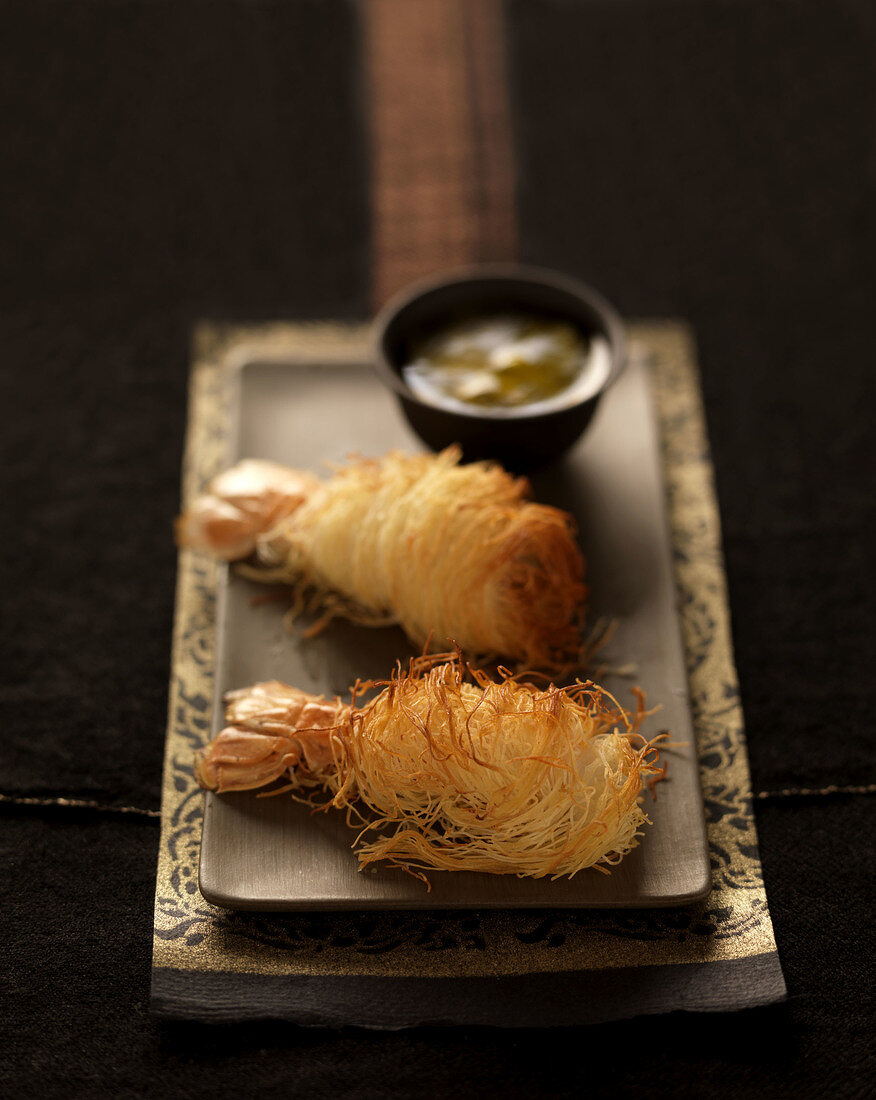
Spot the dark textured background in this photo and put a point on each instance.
(167, 161)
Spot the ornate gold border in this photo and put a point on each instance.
(733, 923)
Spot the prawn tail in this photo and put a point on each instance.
(240, 505)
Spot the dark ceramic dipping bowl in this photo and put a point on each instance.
(519, 438)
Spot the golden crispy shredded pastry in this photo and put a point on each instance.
(448, 769)
(452, 553)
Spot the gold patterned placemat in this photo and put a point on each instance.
(210, 963)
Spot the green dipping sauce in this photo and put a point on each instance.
(502, 361)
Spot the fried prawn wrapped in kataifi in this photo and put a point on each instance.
(451, 552)
(446, 770)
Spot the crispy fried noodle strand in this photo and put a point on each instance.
(448, 551)
(447, 769)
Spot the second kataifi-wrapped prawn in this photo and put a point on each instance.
(452, 553)
(448, 769)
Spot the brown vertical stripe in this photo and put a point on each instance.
(442, 162)
(494, 175)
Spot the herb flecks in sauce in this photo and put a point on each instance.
(501, 362)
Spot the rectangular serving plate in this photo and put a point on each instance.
(274, 854)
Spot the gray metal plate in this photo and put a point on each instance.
(273, 854)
